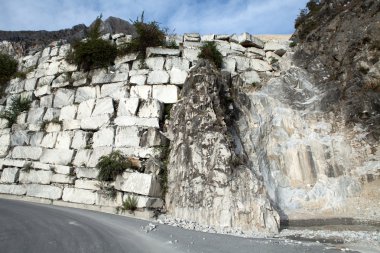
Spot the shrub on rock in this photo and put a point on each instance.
(93, 52)
(112, 165)
(148, 35)
(8, 68)
(210, 52)
(129, 204)
(18, 105)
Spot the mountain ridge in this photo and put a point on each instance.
(36, 40)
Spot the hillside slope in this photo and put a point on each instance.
(339, 42)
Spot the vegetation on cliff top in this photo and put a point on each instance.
(210, 52)
(93, 52)
(305, 22)
(112, 165)
(148, 35)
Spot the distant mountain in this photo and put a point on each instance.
(117, 25)
(36, 40)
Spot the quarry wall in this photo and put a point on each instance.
(76, 117)
(298, 162)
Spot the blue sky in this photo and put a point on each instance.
(205, 17)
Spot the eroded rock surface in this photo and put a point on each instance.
(340, 46)
(313, 165)
(204, 182)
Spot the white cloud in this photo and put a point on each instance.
(207, 16)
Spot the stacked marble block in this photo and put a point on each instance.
(244, 55)
(78, 117)
(75, 119)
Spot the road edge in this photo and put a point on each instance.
(141, 215)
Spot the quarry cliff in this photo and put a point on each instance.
(283, 131)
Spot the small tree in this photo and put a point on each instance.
(94, 32)
(313, 6)
(148, 35)
(301, 18)
(210, 52)
(17, 106)
(94, 52)
(112, 165)
(8, 68)
(130, 204)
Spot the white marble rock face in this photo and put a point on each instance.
(87, 184)
(313, 164)
(138, 183)
(95, 123)
(127, 136)
(128, 106)
(158, 77)
(27, 152)
(44, 191)
(13, 189)
(85, 93)
(103, 106)
(63, 97)
(154, 51)
(9, 175)
(104, 137)
(87, 173)
(79, 196)
(57, 156)
(167, 94)
(36, 177)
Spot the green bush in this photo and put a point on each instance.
(20, 74)
(112, 165)
(8, 68)
(301, 18)
(129, 204)
(314, 6)
(304, 22)
(307, 28)
(148, 35)
(18, 105)
(210, 52)
(93, 52)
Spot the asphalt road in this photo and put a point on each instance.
(29, 227)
